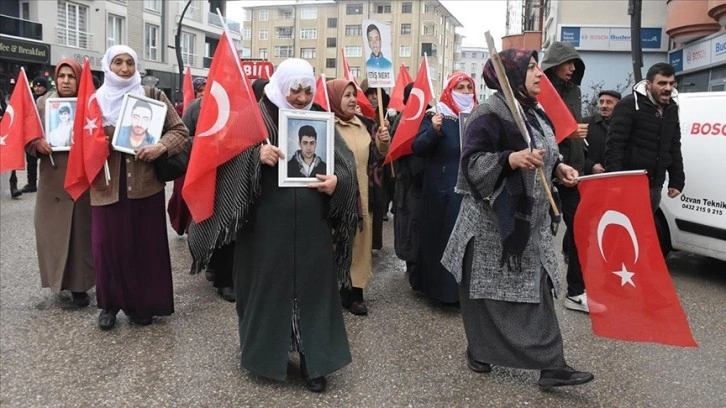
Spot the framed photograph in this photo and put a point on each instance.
(140, 123)
(307, 138)
(377, 42)
(463, 116)
(59, 115)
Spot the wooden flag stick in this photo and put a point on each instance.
(514, 108)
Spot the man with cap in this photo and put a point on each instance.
(597, 131)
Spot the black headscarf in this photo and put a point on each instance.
(516, 62)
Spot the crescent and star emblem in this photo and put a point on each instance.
(9, 111)
(220, 95)
(611, 217)
(418, 93)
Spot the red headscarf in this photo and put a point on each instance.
(454, 80)
(336, 89)
(73, 64)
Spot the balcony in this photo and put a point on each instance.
(73, 38)
(214, 20)
(689, 20)
(717, 11)
(18, 27)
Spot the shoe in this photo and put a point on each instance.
(80, 299)
(477, 366)
(578, 303)
(141, 321)
(358, 307)
(344, 297)
(29, 188)
(107, 319)
(227, 294)
(563, 376)
(14, 192)
(209, 274)
(317, 384)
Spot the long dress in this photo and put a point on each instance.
(285, 278)
(440, 207)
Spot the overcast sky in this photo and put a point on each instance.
(476, 17)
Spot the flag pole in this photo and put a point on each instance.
(514, 108)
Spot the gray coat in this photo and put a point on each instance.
(477, 221)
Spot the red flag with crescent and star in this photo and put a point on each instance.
(188, 90)
(20, 125)
(366, 109)
(629, 290)
(229, 122)
(555, 108)
(89, 149)
(421, 93)
(403, 79)
(321, 93)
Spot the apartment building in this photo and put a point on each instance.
(317, 30)
(471, 60)
(36, 34)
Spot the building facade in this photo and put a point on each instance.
(318, 30)
(80, 29)
(471, 61)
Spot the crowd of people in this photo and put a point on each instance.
(472, 220)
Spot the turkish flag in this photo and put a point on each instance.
(229, 123)
(188, 90)
(403, 79)
(20, 125)
(321, 93)
(556, 109)
(629, 290)
(421, 93)
(365, 105)
(89, 149)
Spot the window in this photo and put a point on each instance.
(193, 12)
(246, 53)
(283, 32)
(284, 51)
(263, 34)
(473, 66)
(353, 51)
(284, 14)
(264, 15)
(405, 51)
(246, 33)
(153, 5)
(307, 53)
(114, 31)
(262, 53)
(406, 29)
(332, 22)
(355, 71)
(383, 8)
(332, 42)
(308, 14)
(187, 48)
(72, 28)
(151, 42)
(406, 7)
(25, 10)
(330, 63)
(246, 15)
(354, 9)
(353, 30)
(308, 33)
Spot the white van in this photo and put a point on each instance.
(695, 221)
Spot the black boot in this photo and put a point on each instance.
(30, 188)
(313, 384)
(14, 192)
(357, 305)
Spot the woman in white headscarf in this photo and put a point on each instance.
(130, 247)
(289, 244)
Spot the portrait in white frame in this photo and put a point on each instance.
(140, 123)
(307, 139)
(59, 115)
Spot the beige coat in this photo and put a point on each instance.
(62, 226)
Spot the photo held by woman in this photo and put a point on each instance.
(501, 250)
(129, 232)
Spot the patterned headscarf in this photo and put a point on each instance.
(515, 61)
(198, 83)
(292, 73)
(336, 89)
(448, 99)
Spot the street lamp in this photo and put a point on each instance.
(177, 45)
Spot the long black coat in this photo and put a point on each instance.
(597, 133)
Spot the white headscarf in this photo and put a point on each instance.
(290, 74)
(111, 93)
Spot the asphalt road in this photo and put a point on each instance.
(408, 352)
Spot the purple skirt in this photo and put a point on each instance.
(131, 256)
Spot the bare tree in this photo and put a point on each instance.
(589, 100)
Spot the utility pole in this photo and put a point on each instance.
(177, 45)
(634, 10)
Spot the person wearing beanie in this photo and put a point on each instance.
(199, 84)
(597, 131)
(40, 88)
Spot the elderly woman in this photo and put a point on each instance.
(438, 143)
(290, 241)
(130, 246)
(369, 146)
(501, 250)
(62, 226)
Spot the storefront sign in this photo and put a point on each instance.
(24, 51)
(704, 53)
(597, 38)
(257, 69)
(60, 52)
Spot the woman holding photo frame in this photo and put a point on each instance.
(130, 245)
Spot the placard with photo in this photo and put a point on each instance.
(307, 139)
(59, 115)
(140, 123)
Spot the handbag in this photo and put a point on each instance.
(169, 168)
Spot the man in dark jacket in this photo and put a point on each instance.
(564, 68)
(645, 133)
(40, 88)
(597, 131)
